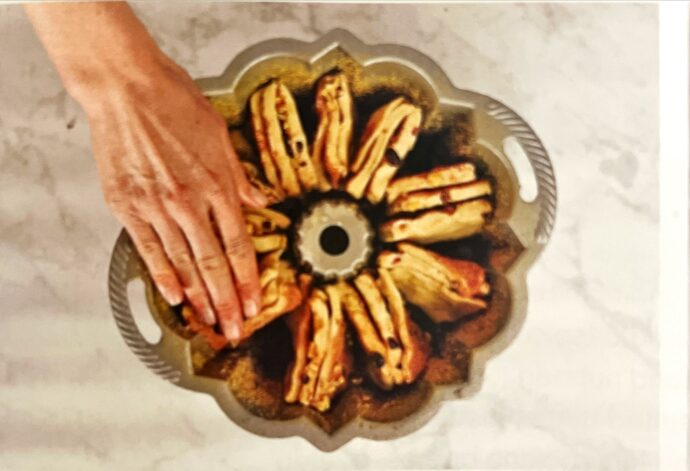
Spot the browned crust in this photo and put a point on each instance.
(415, 346)
(400, 144)
(428, 199)
(299, 323)
(335, 109)
(446, 289)
(439, 177)
(264, 221)
(436, 225)
(269, 243)
(383, 135)
(296, 139)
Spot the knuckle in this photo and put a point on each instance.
(176, 191)
(239, 246)
(180, 258)
(211, 263)
(149, 247)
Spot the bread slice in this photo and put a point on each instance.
(269, 243)
(428, 199)
(415, 346)
(264, 221)
(390, 134)
(282, 144)
(378, 310)
(296, 140)
(439, 177)
(331, 149)
(453, 222)
(445, 288)
(299, 322)
(322, 362)
(336, 364)
(399, 146)
(396, 348)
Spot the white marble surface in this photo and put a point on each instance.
(576, 390)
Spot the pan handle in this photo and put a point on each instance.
(540, 164)
(123, 269)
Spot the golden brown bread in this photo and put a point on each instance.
(439, 177)
(415, 346)
(282, 144)
(427, 199)
(299, 323)
(269, 243)
(396, 348)
(452, 222)
(263, 221)
(445, 288)
(334, 132)
(322, 361)
(389, 136)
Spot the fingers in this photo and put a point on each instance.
(180, 255)
(249, 195)
(213, 266)
(240, 252)
(151, 250)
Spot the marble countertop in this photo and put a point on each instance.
(576, 390)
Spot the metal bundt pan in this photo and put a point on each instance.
(531, 222)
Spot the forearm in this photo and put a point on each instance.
(93, 45)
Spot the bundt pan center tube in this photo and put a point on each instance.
(394, 255)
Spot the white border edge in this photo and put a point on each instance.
(673, 235)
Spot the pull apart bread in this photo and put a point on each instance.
(445, 288)
(277, 279)
(396, 348)
(334, 132)
(281, 140)
(262, 226)
(322, 361)
(446, 203)
(388, 137)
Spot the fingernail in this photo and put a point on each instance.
(171, 297)
(209, 316)
(233, 332)
(250, 308)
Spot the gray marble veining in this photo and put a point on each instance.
(576, 390)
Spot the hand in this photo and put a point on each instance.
(167, 168)
(170, 175)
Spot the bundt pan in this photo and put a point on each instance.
(458, 125)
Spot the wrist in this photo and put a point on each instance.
(88, 83)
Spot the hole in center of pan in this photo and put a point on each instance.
(334, 240)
